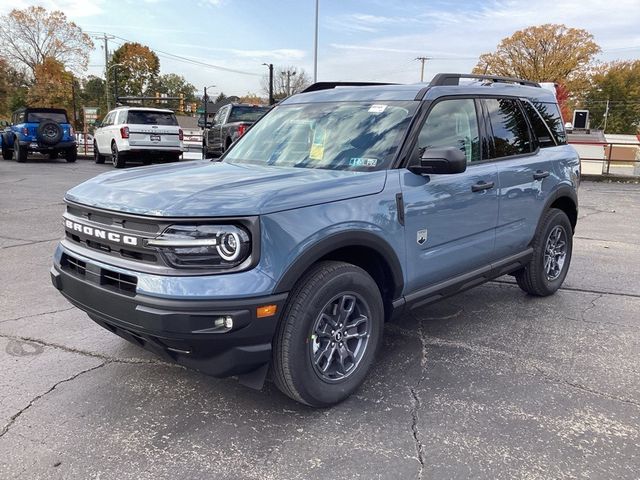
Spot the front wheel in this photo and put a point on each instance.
(329, 334)
(71, 155)
(552, 249)
(99, 159)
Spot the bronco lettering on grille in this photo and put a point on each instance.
(102, 234)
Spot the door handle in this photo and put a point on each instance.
(478, 187)
(539, 175)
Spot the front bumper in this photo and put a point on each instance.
(181, 330)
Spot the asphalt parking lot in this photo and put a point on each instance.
(489, 384)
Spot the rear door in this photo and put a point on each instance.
(525, 170)
(450, 220)
(103, 134)
(153, 128)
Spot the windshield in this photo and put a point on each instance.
(37, 117)
(142, 117)
(247, 114)
(360, 136)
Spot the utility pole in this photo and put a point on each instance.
(315, 48)
(423, 60)
(606, 115)
(270, 66)
(104, 37)
(115, 83)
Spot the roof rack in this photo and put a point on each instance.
(329, 85)
(442, 79)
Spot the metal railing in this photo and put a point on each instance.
(609, 158)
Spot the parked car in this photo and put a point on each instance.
(42, 130)
(229, 124)
(338, 211)
(139, 134)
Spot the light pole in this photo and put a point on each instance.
(289, 74)
(315, 47)
(270, 66)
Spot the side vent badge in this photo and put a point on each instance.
(422, 236)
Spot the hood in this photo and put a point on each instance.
(216, 189)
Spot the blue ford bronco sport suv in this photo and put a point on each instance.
(341, 208)
(43, 130)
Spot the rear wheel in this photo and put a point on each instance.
(329, 334)
(19, 153)
(552, 248)
(117, 158)
(96, 154)
(7, 154)
(53, 155)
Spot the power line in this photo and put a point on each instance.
(173, 56)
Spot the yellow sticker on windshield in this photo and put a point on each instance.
(317, 147)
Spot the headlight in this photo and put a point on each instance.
(203, 246)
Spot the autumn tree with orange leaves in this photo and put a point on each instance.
(33, 35)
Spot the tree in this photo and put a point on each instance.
(220, 97)
(173, 85)
(13, 89)
(137, 69)
(619, 83)
(544, 53)
(296, 79)
(92, 94)
(52, 87)
(251, 97)
(32, 35)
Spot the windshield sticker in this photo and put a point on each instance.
(377, 108)
(363, 162)
(317, 147)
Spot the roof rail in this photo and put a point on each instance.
(329, 85)
(454, 79)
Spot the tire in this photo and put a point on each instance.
(49, 132)
(325, 287)
(540, 278)
(53, 155)
(71, 155)
(117, 158)
(97, 158)
(7, 154)
(19, 153)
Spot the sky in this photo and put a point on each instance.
(359, 40)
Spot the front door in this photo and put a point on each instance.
(450, 220)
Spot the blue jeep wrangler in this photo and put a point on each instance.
(341, 208)
(42, 130)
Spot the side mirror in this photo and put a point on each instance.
(440, 160)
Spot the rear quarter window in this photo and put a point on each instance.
(142, 117)
(550, 113)
(543, 133)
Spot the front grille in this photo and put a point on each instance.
(106, 278)
(112, 222)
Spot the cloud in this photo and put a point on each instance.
(72, 8)
(278, 54)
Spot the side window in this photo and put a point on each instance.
(550, 112)
(108, 120)
(452, 123)
(510, 131)
(542, 132)
(216, 118)
(122, 115)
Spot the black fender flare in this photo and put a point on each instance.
(561, 191)
(331, 243)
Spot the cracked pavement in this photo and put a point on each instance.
(488, 384)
